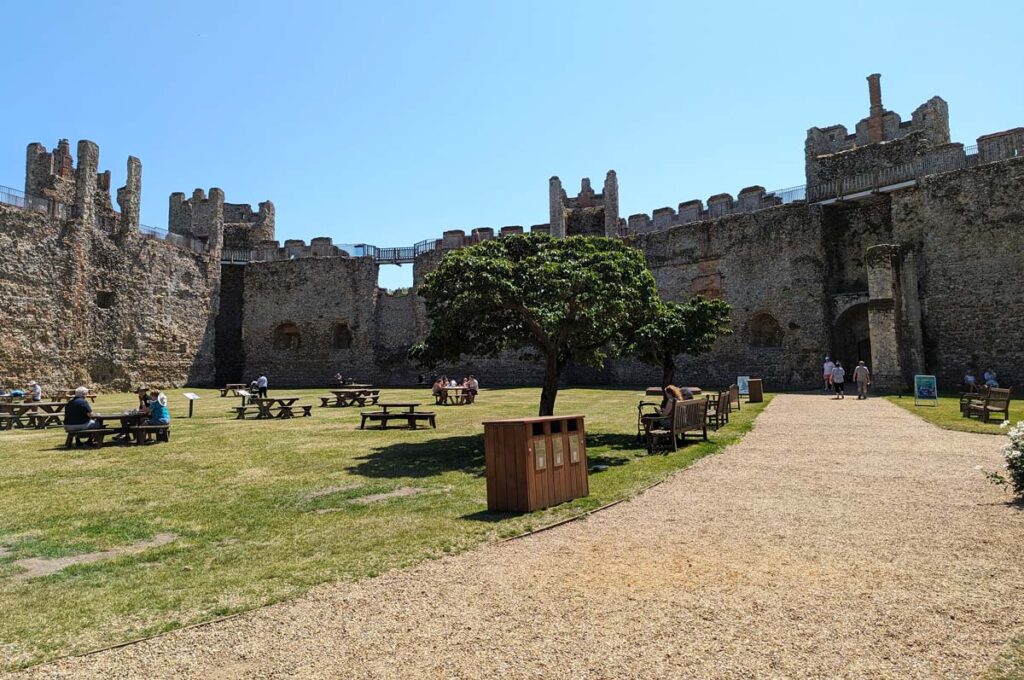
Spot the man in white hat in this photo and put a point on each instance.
(35, 391)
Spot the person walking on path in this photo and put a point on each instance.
(261, 386)
(862, 376)
(839, 380)
(827, 369)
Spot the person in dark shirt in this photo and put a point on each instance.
(78, 412)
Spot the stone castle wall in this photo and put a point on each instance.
(966, 232)
(87, 305)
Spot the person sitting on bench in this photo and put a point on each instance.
(668, 402)
(158, 413)
(78, 413)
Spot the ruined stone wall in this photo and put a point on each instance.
(770, 267)
(311, 296)
(967, 230)
(89, 305)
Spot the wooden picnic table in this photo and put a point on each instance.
(132, 424)
(70, 394)
(233, 388)
(410, 415)
(267, 404)
(454, 396)
(351, 397)
(38, 414)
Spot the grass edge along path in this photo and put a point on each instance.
(947, 414)
(100, 588)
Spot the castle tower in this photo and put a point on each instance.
(586, 214)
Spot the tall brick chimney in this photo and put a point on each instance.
(875, 116)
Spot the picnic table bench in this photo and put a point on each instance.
(37, 414)
(350, 397)
(241, 412)
(233, 388)
(92, 437)
(452, 396)
(410, 415)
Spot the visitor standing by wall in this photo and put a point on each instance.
(827, 369)
(839, 380)
(261, 386)
(862, 376)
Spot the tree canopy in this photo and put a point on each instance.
(559, 299)
(689, 328)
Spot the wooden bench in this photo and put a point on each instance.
(143, 433)
(411, 419)
(94, 437)
(41, 421)
(688, 415)
(306, 410)
(718, 409)
(976, 394)
(996, 401)
(734, 396)
(242, 411)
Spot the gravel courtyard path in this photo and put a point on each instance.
(838, 539)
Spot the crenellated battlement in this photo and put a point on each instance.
(928, 127)
(748, 200)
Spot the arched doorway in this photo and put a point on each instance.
(851, 337)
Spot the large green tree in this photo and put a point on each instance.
(689, 328)
(557, 299)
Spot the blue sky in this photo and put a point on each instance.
(390, 124)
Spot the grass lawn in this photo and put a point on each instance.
(261, 511)
(947, 414)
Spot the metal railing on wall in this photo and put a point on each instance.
(20, 199)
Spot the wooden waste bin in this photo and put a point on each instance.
(534, 463)
(755, 391)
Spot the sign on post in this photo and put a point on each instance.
(191, 396)
(743, 382)
(925, 390)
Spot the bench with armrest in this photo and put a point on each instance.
(719, 408)
(995, 401)
(688, 415)
(974, 393)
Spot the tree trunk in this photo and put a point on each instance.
(552, 376)
(668, 371)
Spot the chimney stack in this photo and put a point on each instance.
(875, 132)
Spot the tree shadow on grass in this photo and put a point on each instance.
(615, 442)
(424, 459)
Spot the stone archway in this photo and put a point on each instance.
(851, 337)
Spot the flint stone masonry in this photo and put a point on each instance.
(155, 331)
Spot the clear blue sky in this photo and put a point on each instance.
(388, 125)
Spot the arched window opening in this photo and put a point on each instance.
(287, 336)
(765, 331)
(342, 336)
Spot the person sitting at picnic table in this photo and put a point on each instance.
(991, 380)
(158, 413)
(339, 378)
(144, 399)
(78, 412)
(35, 391)
(472, 388)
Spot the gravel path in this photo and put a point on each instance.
(838, 539)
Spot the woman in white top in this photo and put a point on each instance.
(827, 372)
